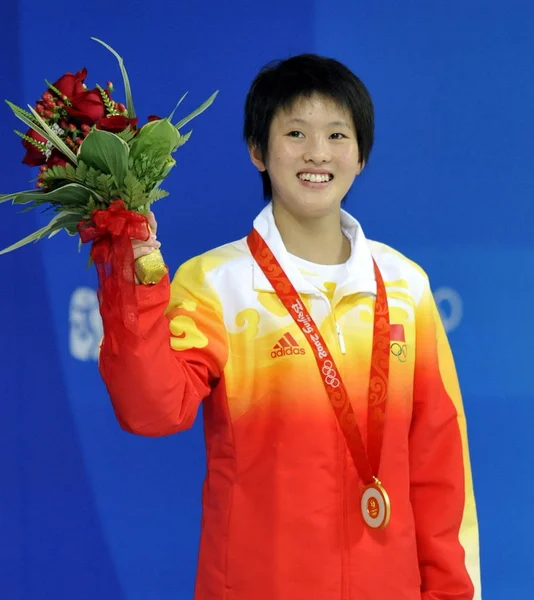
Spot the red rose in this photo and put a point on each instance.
(116, 123)
(71, 85)
(34, 157)
(153, 118)
(88, 107)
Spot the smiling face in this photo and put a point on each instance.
(313, 157)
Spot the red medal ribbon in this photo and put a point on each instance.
(110, 232)
(367, 461)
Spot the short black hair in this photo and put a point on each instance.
(280, 83)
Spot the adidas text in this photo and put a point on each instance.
(286, 352)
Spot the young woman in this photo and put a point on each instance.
(337, 458)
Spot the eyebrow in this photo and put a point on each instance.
(332, 123)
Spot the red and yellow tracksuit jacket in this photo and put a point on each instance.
(281, 497)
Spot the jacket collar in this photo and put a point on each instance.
(360, 278)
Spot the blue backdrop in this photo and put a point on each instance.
(88, 511)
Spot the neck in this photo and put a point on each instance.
(318, 240)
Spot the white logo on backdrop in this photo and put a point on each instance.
(85, 324)
(450, 307)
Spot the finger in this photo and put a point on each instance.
(150, 245)
(142, 252)
(151, 242)
(152, 222)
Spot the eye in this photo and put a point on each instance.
(338, 136)
(295, 134)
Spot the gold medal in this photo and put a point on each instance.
(375, 505)
(151, 267)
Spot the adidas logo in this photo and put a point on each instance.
(286, 346)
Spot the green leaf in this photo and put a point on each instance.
(157, 194)
(164, 171)
(58, 222)
(107, 153)
(110, 107)
(133, 192)
(7, 197)
(81, 171)
(41, 146)
(33, 237)
(28, 207)
(27, 118)
(91, 178)
(53, 137)
(184, 138)
(71, 170)
(72, 193)
(157, 140)
(126, 80)
(127, 134)
(57, 173)
(171, 116)
(66, 220)
(106, 188)
(101, 185)
(198, 111)
(18, 110)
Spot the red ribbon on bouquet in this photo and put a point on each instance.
(110, 231)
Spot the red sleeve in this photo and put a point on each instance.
(441, 487)
(157, 378)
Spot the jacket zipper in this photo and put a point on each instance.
(339, 333)
(345, 557)
(340, 337)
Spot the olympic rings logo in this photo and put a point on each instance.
(330, 375)
(400, 351)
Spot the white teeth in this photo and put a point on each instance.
(314, 177)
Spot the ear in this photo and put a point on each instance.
(256, 158)
(361, 166)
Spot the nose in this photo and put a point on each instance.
(317, 150)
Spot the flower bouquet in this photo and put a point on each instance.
(99, 172)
